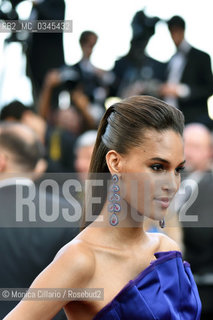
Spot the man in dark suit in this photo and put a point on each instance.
(29, 236)
(195, 211)
(189, 77)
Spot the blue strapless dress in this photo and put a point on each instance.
(165, 290)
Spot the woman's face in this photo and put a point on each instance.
(150, 174)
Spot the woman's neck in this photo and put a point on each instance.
(129, 229)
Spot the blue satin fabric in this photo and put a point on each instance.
(165, 290)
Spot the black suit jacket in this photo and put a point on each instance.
(26, 251)
(127, 72)
(45, 50)
(198, 237)
(197, 74)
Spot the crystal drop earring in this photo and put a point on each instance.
(114, 199)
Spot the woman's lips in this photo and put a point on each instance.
(164, 202)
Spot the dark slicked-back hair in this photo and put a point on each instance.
(125, 123)
(124, 126)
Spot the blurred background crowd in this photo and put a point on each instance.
(52, 128)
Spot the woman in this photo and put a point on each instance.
(139, 145)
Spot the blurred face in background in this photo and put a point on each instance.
(177, 35)
(198, 147)
(69, 119)
(88, 46)
(82, 161)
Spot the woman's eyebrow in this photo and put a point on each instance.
(160, 159)
(165, 161)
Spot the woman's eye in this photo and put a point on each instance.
(179, 169)
(157, 167)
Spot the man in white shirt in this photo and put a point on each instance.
(189, 77)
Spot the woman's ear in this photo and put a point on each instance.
(114, 161)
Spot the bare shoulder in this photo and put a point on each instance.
(72, 267)
(77, 258)
(164, 243)
(167, 244)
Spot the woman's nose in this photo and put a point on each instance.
(170, 182)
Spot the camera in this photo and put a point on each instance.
(10, 14)
(143, 27)
(69, 77)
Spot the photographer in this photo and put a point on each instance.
(85, 85)
(136, 72)
(61, 85)
(44, 50)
